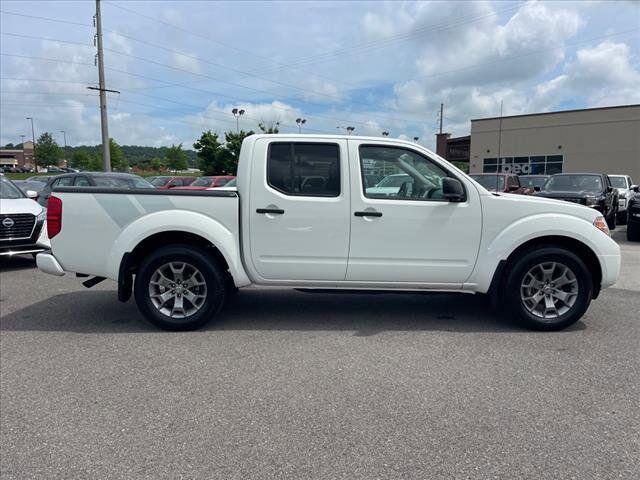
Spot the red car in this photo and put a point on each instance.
(202, 183)
(164, 183)
(502, 182)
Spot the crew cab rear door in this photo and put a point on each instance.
(409, 234)
(299, 209)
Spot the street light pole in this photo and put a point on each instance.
(237, 113)
(300, 122)
(64, 133)
(33, 136)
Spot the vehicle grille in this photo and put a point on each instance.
(22, 226)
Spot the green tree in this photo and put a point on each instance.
(233, 143)
(176, 158)
(82, 159)
(273, 128)
(47, 150)
(211, 155)
(155, 164)
(118, 160)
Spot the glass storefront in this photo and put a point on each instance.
(531, 165)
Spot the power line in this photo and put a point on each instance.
(68, 22)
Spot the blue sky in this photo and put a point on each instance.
(181, 66)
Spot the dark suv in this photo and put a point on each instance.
(502, 182)
(633, 215)
(590, 189)
(92, 179)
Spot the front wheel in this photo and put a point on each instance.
(548, 288)
(612, 219)
(180, 287)
(633, 231)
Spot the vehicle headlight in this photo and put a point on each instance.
(601, 224)
(591, 201)
(42, 216)
(623, 195)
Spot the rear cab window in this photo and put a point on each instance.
(304, 168)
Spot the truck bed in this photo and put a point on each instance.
(99, 225)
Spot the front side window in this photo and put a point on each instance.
(305, 169)
(406, 175)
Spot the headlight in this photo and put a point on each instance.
(591, 201)
(623, 195)
(601, 224)
(42, 216)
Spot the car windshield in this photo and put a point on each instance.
(230, 183)
(490, 182)
(202, 182)
(42, 178)
(393, 181)
(8, 191)
(533, 181)
(574, 183)
(160, 181)
(618, 182)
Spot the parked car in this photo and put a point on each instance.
(590, 189)
(389, 186)
(633, 215)
(21, 221)
(54, 169)
(182, 252)
(624, 185)
(202, 183)
(502, 182)
(534, 181)
(167, 182)
(40, 178)
(92, 180)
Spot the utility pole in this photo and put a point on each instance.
(33, 136)
(106, 154)
(499, 161)
(441, 115)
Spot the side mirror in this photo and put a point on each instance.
(609, 189)
(537, 189)
(513, 187)
(31, 194)
(635, 188)
(452, 189)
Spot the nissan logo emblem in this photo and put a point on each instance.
(7, 222)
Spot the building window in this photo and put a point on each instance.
(305, 169)
(531, 165)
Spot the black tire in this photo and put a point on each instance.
(622, 218)
(213, 274)
(611, 220)
(515, 275)
(633, 231)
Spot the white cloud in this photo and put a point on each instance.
(187, 62)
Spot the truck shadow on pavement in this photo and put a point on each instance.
(366, 314)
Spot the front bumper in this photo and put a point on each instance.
(37, 242)
(47, 263)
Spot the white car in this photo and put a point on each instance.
(182, 252)
(22, 221)
(623, 183)
(389, 186)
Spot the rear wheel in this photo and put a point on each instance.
(180, 287)
(611, 219)
(548, 288)
(633, 231)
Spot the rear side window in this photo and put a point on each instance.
(306, 169)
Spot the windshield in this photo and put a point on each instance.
(574, 183)
(490, 181)
(160, 181)
(8, 190)
(202, 182)
(393, 181)
(533, 181)
(122, 182)
(231, 183)
(618, 182)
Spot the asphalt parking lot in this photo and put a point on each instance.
(295, 385)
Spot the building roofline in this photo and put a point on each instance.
(556, 112)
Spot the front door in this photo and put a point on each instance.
(402, 229)
(299, 209)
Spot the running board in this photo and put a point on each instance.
(92, 282)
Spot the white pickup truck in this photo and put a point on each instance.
(302, 218)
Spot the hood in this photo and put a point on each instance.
(533, 204)
(19, 205)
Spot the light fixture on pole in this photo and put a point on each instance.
(350, 130)
(237, 112)
(33, 136)
(385, 134)
(300, 122)
(415, 139)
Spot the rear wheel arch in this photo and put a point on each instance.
(131, 260)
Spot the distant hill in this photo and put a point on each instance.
(136, 154)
